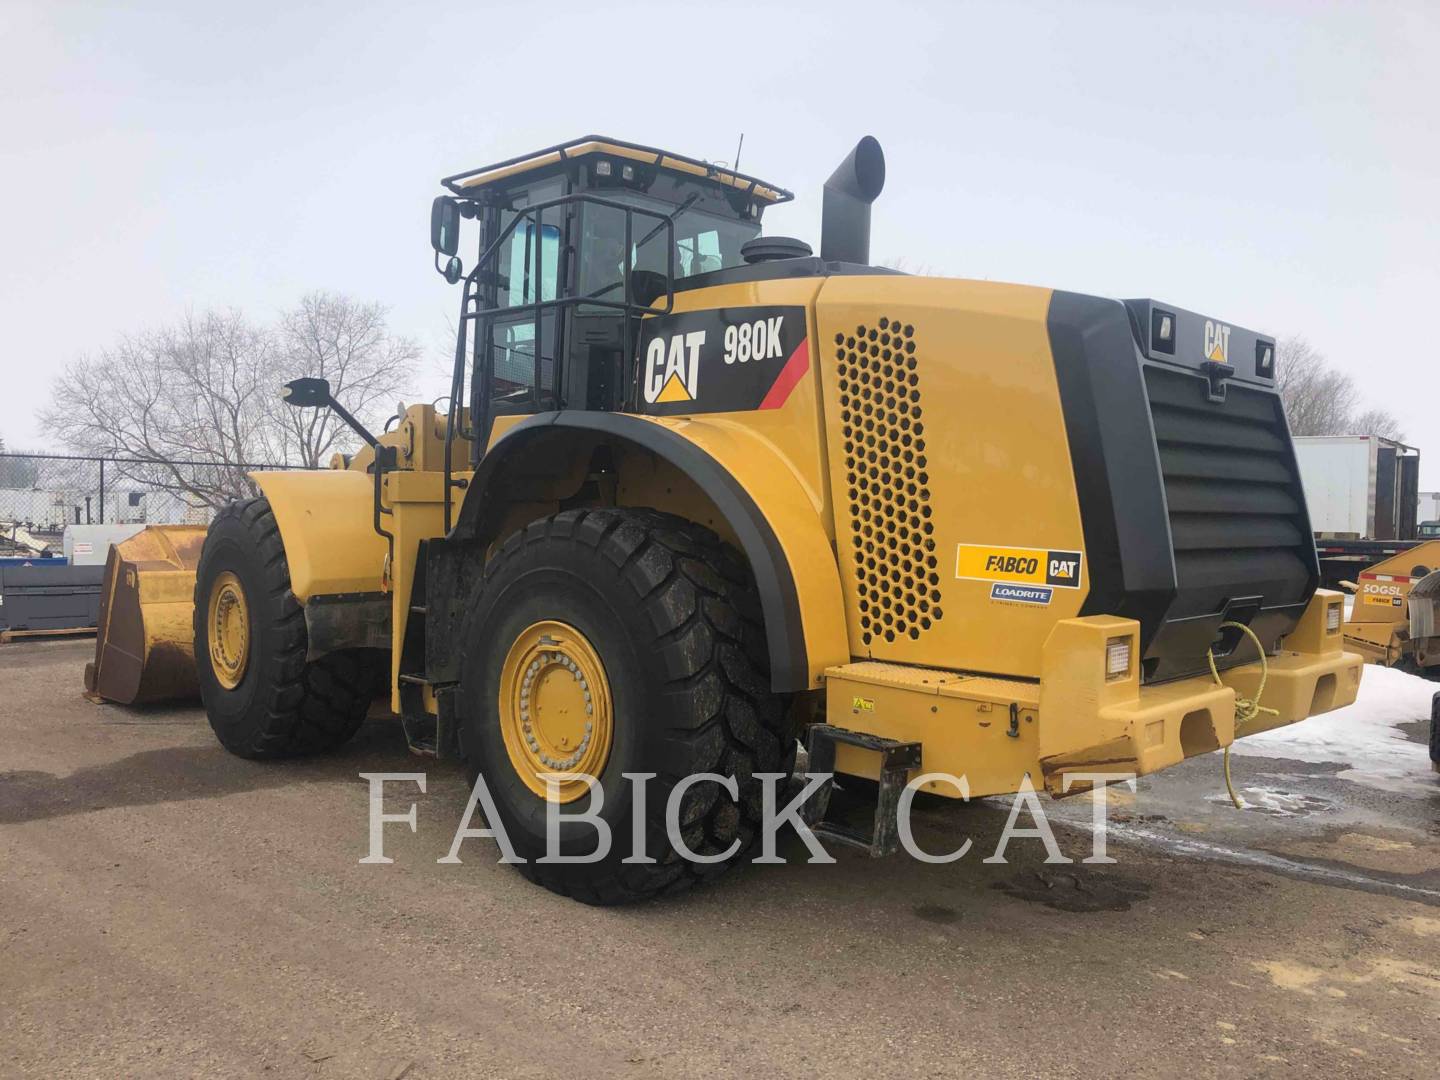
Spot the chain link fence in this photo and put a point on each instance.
(43, 494)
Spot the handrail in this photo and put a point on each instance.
(481, 419)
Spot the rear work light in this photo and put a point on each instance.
(1162, 331)
(1117, 658)
(1265, 359)
(1332, 619)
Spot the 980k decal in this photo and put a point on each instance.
(724, 360)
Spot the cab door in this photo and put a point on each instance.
(522, 337)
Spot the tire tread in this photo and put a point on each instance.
(307, 706)
(699, 600)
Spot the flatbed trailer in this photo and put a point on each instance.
(1342, 559)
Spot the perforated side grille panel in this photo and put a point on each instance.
(887, 485)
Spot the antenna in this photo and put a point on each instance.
(736, 167)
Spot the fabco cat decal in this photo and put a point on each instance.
(1020, 575)
(725, 360)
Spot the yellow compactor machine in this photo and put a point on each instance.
(699, 494)
(1395, 620)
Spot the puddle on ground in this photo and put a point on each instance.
(1075, 890)
(936, 913)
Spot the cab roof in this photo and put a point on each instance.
(468, 183)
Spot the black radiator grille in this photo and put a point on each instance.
(1237, 513)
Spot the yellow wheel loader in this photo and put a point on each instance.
(699, 494)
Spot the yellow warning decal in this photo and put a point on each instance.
(1383, 601)
(861, 704)
(1026, 566)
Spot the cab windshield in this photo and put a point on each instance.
(704, 241)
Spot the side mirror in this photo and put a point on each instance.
(315, 393)
(445, 225)
(453, 271)
(306, 393)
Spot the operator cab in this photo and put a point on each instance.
(576, 243)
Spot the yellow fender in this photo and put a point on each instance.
(788, 509)
(326, 521)
(757, 492)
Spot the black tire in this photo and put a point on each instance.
(1435, 730)
(675, 618)
(283, 705)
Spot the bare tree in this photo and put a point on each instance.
(16, 472)
(347, 342)
(1318, 399)
(192, 391)
(1380, 422)
(207, 390)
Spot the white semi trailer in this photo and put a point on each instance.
(1360, 487)
(1428, 513)
(1363, 498)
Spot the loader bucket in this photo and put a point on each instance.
(144, 642)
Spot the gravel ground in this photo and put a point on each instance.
(169, 910)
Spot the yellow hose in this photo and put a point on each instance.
(1246, 709)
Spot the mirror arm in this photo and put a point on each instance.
(350, 421)
(355, 425)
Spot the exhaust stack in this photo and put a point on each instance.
(845, 211)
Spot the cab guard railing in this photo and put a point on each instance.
(484, 278)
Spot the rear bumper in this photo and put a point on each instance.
(1146, 729)
(997, 732)
(1166, 724)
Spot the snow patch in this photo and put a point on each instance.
(1277, 802)
(1363, 736)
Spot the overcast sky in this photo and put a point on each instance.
(1275, 165)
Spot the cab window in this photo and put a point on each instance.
(703, 242)
(701, 253)
(527, 271)
(529, 265)
(603, 256)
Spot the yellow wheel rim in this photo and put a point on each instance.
(555, 710)
(229, 621)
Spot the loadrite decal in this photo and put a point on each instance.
(1019, 566)
(1021, 594)
(723, 360)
